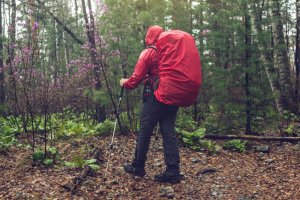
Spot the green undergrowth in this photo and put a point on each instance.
(194, 137)
(79, 162)
(73, 128)
(235, 145)
(58, 126)
(47, 158)
(7, 134)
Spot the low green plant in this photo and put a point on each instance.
(75, 128)
(39, 157)
(79, 162)
(7, 134)
(290, 130)
(6, 141)
(185, 122)
(105, 127)
(48, 162)
(288, 121)
(236, 145)
(195, 141)
(210, 146)
(193, 138)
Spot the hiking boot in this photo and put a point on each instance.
(134, 170)
(167, 177)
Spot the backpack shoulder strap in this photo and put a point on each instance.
(154, 83)
(152, 47)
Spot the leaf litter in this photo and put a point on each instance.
(226, 175)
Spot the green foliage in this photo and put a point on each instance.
(288, 121)
(210, 146)
(100, 97)
(48, 162)
(223, 122)
(53, 151)
(79, 126)
(193, 138)
(290, 129)
(79, 162)
(62, 124)
(106, 127)
(7, 134)
(6, 141)
(237, 145)
(39, 157)
(195, 141)
(94, 167)
(185, 122)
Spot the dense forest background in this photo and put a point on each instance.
(60, 66)
(61, 61)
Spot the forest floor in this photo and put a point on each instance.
(226, 175)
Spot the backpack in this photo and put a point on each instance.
(179, 66)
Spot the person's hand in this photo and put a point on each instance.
(122, 81)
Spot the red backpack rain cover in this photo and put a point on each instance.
(179, 65)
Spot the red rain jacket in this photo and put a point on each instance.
(146, 66)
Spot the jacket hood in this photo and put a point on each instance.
(153, 34)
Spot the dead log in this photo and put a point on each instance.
(87, 171)
(251, 137)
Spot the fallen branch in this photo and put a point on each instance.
(87, 171)
(71, 33)
(251, 137)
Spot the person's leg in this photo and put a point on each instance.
(149, 118)
(171, 152)
(147, 124)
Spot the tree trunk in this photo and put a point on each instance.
(281, 60)
(265, 51)
(11, 52)
(67, 49)
(90, 29)
(297, 55)
(247, 66)
(12, 91)
(76, 13)
(12, 32)
(53, 53)
(2, 91)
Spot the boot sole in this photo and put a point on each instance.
(134, 173)
(171, 181)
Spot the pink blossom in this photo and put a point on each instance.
(35, 26)
(205, 32)
(102, 6)
(26, 50)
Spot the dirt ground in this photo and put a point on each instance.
(227, 175)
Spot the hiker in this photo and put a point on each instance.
(153, 112)
(171, 69)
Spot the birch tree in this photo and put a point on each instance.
(281, 60)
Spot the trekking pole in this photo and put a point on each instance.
(115, 127)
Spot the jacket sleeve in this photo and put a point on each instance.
(141, 69)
